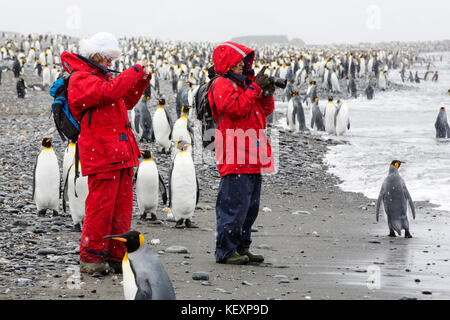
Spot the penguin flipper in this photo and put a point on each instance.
(170, 185)
(34, 177)
(66, 188)
(198, 191)
(144, 291)
(379, 204)
(410, 201)
(137, 121)
(162, 187)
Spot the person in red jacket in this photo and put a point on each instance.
(108, 150)
(240, 104)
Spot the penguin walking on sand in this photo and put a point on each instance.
(148, 185)
(46, 180)
(162, 127)
(316, 117)
(295, 113)
(144, 277)
(75, 193)
(330, 115)
(342, 119)
(441, 125)
(395, 198)
(183, 186)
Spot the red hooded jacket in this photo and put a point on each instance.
(241, 143)
(106, 142)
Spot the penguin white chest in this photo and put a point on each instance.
(183, 186)
(77, 194)
(180, 131)
(147, 184)
(129, 280)
(161, 128)
(290, 115)
(329, 119)
(47, 181)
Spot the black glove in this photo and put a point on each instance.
(269, 91)
(262, 79)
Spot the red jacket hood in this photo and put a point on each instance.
(228, 54)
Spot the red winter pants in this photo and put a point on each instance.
(109, 207)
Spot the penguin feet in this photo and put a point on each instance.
(179, 224)
(190, 224)
(144, 216)
(77, 227)
(408, 235)
(55, 213)
(392, 234)
(42, 213)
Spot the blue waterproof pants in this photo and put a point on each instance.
(237, 208)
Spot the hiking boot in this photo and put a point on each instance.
(116, 267)
(91, 268)
(236, 259)
(256, 258)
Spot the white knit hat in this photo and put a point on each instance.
(103, 43)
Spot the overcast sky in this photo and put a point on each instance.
(314, 21)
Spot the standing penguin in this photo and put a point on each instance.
(335, 83)
(182, 130)
(382, 81)
(162, 126)
(46, 77)
(143, 121)
(369, 92)
(21, 89)
(295, 113)
(330, 115)
(144, 277)
(441, 125)
(69, 157)
(75, 192)
(183, 186)
(342, 119)
(352, 88)
(46, 182)
(148, 185)
(395, 198)
(316, 117)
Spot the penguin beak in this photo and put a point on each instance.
(118, 238)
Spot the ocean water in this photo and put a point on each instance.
(398, 125)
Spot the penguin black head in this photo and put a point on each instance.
(448, 91)
(330, 99)
(162, 102)
(46, 143)
(443, 108)
(182, 145)
(397, 163)
(133, 240)
(147, 155)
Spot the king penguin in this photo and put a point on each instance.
(75, 192)
(395, 198)
(144, 277)
(162, 126)
(182, 131)
(330, 115)
(316, 117)
(148, 185)
(441, 125)
(295, 113)
(143, 121)
(46, 182)
(183, 186)
(342, 119)
(69, 157)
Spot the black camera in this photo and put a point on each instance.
(278, 82)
